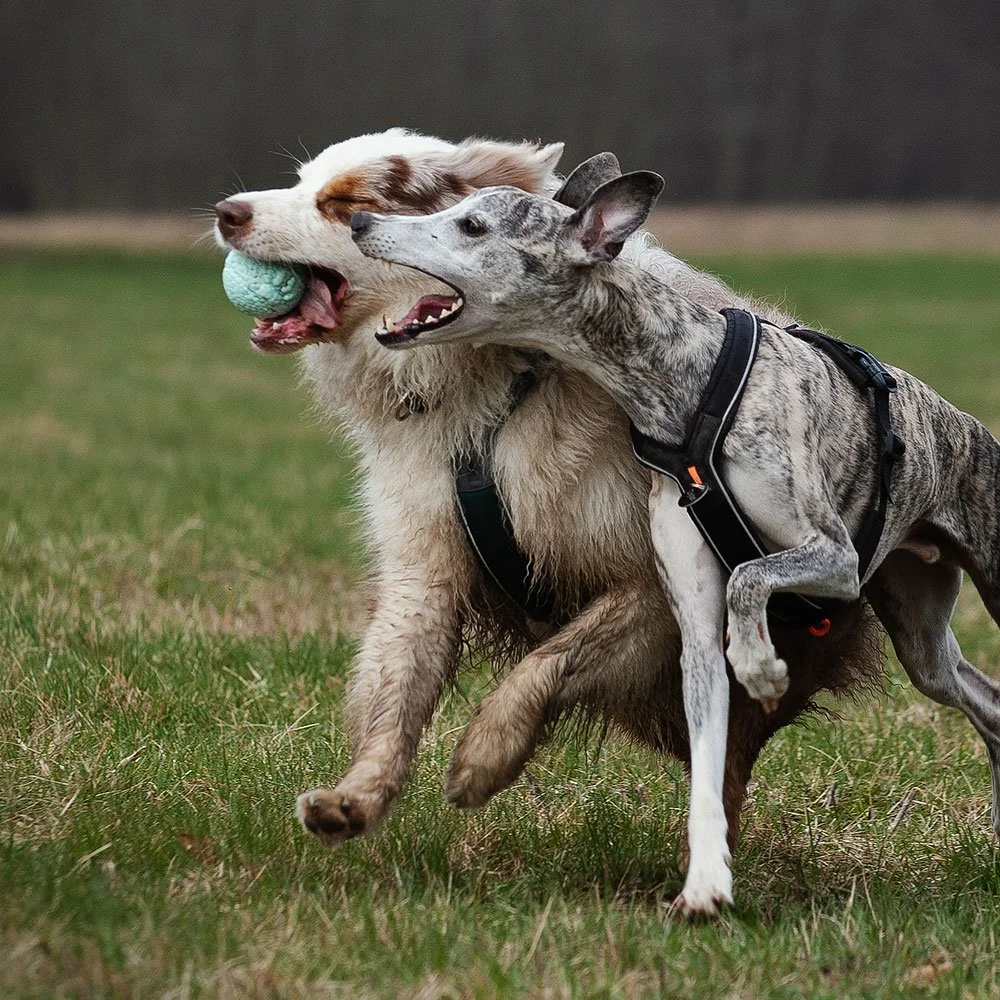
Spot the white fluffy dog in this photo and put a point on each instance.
(563, 464)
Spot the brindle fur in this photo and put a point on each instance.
(800, 458)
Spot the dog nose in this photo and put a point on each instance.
(361, 222)
(233, 216)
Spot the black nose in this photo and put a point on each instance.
(233, 216)
(361, 222)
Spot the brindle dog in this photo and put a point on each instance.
(534, 273)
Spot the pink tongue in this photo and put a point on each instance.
(317, 305)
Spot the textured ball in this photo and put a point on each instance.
(261, 288)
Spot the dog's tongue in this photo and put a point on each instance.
(317, 305)
(318, 310)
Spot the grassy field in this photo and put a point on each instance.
(177, 568)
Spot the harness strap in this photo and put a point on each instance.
(487, 523)
(695, 465)
(866, 372)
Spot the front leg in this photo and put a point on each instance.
(695, 585)
(409, 651)
(824, 566)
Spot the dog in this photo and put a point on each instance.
(562, 461)
(533, 273)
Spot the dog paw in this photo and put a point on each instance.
(334, 815)
(706, 891)
(764, 676)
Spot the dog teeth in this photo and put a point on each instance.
(456, 305)
(431, 319)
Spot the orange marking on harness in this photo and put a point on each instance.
(695, 478)
(821, 629)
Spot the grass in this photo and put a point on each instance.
(178, 562)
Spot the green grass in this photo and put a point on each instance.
(178, 562)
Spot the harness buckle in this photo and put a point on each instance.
(692, 494)
(885, 381)
(877, 374)
(695, 488)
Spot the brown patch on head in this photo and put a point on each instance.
(346, 194)
(430, 182)
(398, 175)
(392, 186)
(409, 188)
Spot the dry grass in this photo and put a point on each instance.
(178, 567)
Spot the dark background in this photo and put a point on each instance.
(141, 106)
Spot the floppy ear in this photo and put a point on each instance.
(598, 229)
(479, 163)
(587, 178)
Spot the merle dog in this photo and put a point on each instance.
(531, 272)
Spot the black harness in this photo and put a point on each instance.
(694, 466)
(487, 523)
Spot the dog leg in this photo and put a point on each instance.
(822, 567)
(409, 651)
(695, 587)
(622, 661)
(915, 602)
(609, 635)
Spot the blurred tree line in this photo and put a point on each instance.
(134, 105)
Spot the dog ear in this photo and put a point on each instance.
(479, 163)
(587, 178)
(599, 228)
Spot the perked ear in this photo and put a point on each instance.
(587, 178)
(599, 228)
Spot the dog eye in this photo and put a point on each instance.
(472, 225)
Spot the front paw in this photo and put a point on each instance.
(338, 814)
(706, 890)
(760, 671)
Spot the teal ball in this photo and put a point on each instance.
(261, 288)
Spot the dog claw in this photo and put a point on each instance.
(684, 909)
(696, 906)
(707, 890)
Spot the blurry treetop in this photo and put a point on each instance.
(139, 106)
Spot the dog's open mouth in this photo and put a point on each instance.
(316, 314)
(430, 313)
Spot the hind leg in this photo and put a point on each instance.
(607, 639)
(915, 602)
